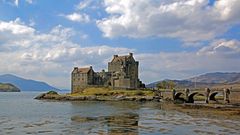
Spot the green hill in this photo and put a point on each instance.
(7, 87)
(212, 80)
(26, 84)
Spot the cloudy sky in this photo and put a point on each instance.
(174, 39)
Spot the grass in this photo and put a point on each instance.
(110, 92)
(52, 92)
(8, 87)
(5, 86)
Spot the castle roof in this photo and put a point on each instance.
(82, 70)
(122, 58)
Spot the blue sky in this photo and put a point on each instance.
(175, 39)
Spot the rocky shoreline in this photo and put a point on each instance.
(57, 97)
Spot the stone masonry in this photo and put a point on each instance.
(122, 74)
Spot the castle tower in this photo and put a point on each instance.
(124, 71)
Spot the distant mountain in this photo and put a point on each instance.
(25, 84)
(217, 77)
(205, 80)
(7, 87)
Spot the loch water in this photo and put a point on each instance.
(20, 114)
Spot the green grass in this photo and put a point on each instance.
(110, 92)
(202, 98)
(8, 87)
(52, 92)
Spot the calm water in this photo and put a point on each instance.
(21, 114)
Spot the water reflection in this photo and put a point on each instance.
(80, 118)
(126, 123)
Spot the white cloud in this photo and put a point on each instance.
(16, 2)
(32, 23)
(29, 1)
(12, 33)
(182, 65)
(51, 56)
(222, 48)
(189, 20)
(89, 4)
(82, 10)
(15, 27)
(77, 17)
(83, 4)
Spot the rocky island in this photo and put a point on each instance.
(7, 87)
(119, 82)
(101, 94)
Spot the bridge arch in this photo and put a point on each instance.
(178, 98)
(212, 96)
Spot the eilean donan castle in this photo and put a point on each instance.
(122, 73)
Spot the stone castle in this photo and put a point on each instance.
(122, 73)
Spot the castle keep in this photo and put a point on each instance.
(122, 73)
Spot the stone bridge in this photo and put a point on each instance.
(189, 97)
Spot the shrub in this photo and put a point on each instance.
(52, 92)
(139, 93)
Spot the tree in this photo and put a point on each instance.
(171, 84)
(166, 85)
(162, 85)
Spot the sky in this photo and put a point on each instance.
(172, 39)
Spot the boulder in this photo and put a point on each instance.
(41, 96)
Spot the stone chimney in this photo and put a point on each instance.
(115, 56)
(131, 54)
(90, 67)
(75, 68)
